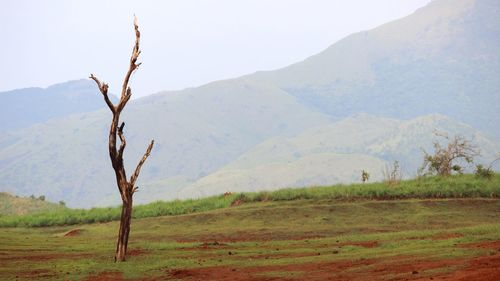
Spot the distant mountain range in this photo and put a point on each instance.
(25, 107)
(444, 58)
(367, 100)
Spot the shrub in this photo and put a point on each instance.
(444, 159)
(482, 172)
(392, 174)
(365, 176)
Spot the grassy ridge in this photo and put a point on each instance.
(16, 205)
(463, 186)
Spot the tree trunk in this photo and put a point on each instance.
(123, 233)
(127, 188)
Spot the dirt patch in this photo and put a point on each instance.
(279, 256)
(408, 266)
(236, 202)
(103, 276)
(446, 236)
(365, 244)
(206, 246)
(137, 252)
(478, 269)
(218, 273)
(315, 271)
(210, 245)
(118, 276)
(241, 236)
(73, 232)
(44, 257)
(36, 274)
(495, 245)
(391, 268)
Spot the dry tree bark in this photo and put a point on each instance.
(126, 187)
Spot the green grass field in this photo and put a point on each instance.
(460, 186)
(279, 237)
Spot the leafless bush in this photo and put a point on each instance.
(392, 174)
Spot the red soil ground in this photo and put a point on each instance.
(73, 232)
(485, 268)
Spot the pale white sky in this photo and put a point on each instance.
(185, 43)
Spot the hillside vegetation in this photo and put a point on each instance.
(337, 152)
(15, 205)
(459, 186)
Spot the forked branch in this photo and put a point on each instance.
(103, 88)
(134, 177)
(133, 59)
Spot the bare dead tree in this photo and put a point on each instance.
(127, 188)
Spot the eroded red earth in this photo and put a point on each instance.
(483, 268)
(394, 268)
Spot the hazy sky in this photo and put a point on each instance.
(185, 43)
